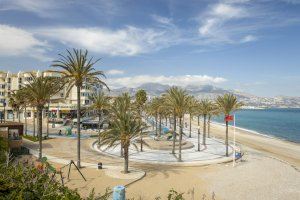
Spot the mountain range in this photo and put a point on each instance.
(211, 92)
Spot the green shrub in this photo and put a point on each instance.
(26, 182)
(31, 138)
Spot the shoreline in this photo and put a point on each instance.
(257, 133)
(276, 147)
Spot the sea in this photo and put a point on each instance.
(279, 123)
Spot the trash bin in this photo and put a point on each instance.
(100, 165)
(119, 192)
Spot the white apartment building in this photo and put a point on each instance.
(60, 105)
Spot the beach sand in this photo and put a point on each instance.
(269, 170)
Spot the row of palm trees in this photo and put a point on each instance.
(126, 116)
(76, 69)
(176, 102)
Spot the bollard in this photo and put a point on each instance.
(100, 165)
(119, 193)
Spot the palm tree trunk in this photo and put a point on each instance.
(19, 118)
(33, 123)
(126, 159)
(99, 126)
(156, 130)
(180, 138)
(25, 113)
(204, 130)
(208, 126)
(78, 126)
(198, 133)
(159, 126)
(141, 133)
(48, 113)
(40, 129)
(226, 141)
(122, 152)
(190, 125)
(174, 134)
(13, 115)
(166, 120)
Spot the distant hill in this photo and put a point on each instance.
(211, 92)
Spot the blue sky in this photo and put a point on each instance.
(250, 46)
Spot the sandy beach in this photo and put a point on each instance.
(268, 170)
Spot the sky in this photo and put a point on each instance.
(244, 45)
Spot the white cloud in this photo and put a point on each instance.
(222, 11)
(162, 20)
(42, 8)
(182, 80)
(216, 26)
(248, 38)
(18, 42)
(115, 72)
(127, 41)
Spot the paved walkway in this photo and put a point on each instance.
(212, 152)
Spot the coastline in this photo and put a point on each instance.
(278, 148)
(257, 133)
(268, 173)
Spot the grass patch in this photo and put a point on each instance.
(94, 136)
(34, 139)
(31, 138)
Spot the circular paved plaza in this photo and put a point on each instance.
(212, 152)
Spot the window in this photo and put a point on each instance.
(85, 94)
(20, 80)
(86, 102)
(9, 80)
(3, 86)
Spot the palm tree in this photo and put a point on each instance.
(39, 91)
(126, 126)
(100, 103)
(177, 100)
(16, 102)
(213, 112)
(191, 110)
(205, 106)
(227, 104)
(156, 107)
(140, 101)
(198, 120)
(78, 71)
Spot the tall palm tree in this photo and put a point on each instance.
(140, 101)
(205, 106)
(157, 109)
(177, 100)
(16, 102)
(100, 103)
(191, 110)
(78, 70)
(125, 127)
(39, 91)
(213, 112)
(227, 104)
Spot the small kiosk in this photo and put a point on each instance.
(12, 132)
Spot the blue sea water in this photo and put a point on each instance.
(280, 123)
